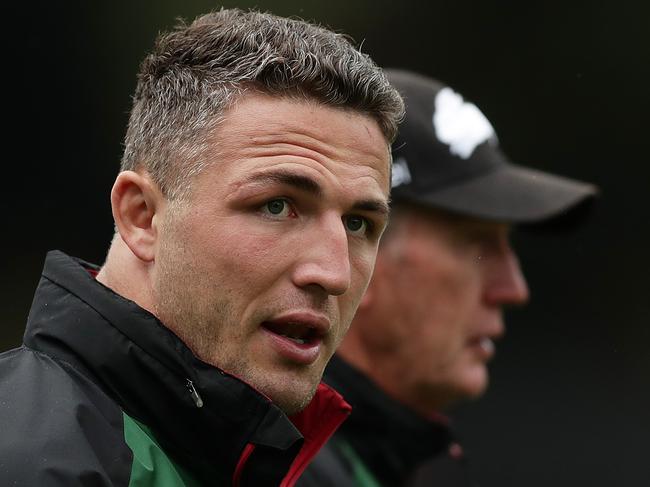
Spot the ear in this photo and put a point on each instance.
(136, 201)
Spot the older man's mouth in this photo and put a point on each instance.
(483, 346)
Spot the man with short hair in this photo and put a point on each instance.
(426, 327)
(252, 195)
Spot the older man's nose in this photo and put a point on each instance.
(505, 283)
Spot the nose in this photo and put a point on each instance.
(324, 257)
(505, 283)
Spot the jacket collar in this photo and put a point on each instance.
(389, 437)
(156, 379)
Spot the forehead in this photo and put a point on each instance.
(432, 221)
(261, 132)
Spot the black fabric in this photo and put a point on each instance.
(89, 353)
(398, 446)
(467, 172)
(51, 418)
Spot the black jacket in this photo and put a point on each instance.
(102, 394)
(383, 443)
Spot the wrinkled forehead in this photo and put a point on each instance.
(334, 147)
(259, 122)
(412, 215)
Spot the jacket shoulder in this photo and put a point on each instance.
(328, 469)
(58, 427)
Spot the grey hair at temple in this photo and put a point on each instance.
(198, 70)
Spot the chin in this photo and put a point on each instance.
(292, 403)
(474, 383)
(291, 394)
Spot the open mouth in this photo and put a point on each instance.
(484, 345)
(299, 333)
(298, 338)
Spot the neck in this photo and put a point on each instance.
(387, 372)
(127, 275)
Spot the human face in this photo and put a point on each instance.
(261, 270)
(439, 287)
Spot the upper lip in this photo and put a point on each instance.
(302, 323)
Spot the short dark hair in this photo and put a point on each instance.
(197, 70)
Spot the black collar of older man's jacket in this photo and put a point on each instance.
(388, 440)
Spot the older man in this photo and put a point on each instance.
(251, 198)
(426, 327)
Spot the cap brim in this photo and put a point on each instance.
(512, 193)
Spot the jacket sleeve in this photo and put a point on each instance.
(58, 428)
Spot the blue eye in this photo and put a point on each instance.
(278, 208)
(356, 225)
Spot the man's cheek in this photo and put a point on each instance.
(362, 269)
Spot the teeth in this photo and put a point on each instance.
(301, 341)
(487, 345)
(296, 332)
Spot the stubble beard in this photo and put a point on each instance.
(200, 313)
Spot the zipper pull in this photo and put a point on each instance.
(195, 395)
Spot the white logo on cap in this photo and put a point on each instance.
(460, 124)
(401, 174)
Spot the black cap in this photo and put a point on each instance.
(447, 156)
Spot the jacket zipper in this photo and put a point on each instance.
(195, 395)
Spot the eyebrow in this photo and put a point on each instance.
(376, 206)
(290, 179)
(310, 186)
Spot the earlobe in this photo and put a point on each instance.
(135, 199)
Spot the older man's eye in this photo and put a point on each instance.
(277, 208)
(356, 225)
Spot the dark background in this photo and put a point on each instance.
(564, 83)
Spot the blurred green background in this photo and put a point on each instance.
(564, 83)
